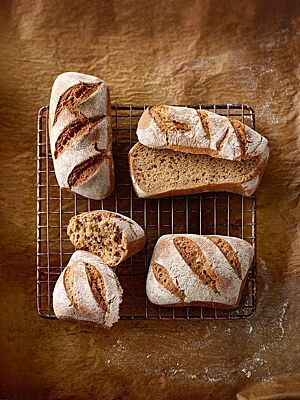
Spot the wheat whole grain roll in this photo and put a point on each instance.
(188, 269)
(199, 132)
(81, 135)
(111, 236)
(88, 291)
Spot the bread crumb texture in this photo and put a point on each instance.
(156, 171)
(96, 232)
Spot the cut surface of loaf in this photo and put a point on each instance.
(164, 172)
(200, 132)
(111, 236)
(87, 290)
(81, 135)
(188, 269)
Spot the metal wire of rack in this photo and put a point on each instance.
(208, 213)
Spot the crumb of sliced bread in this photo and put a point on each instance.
(164, 172)
(99, 234)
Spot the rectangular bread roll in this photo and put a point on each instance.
(200, 132)
(164, 172)
(87, 290)
(81, 135)
(188, 269)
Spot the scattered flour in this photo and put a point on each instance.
(247, 373)
(282, 316)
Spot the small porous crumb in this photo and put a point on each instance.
(99, 234)
(158, 171)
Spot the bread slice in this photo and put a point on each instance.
(111, 236)
(164, 172)
(87, 290)
(199, 132)
(208, 271)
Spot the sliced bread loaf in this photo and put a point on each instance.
(87, 290)
(198, 270)
(111, 236)
(164, 172)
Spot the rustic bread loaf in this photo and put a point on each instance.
(198, 270)
(200, 132)
(161, 173)
(111, 236)
(87, 290)
(81, 135)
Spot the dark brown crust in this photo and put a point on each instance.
(97, 286)
(194, 257)
(163, 277)
(74, 131)
(203, 115)
(221, 187)
(238, 126)
(161, 117)
(68, 281)
(75, 95)
(228, 252)
(133, 247)
(221, 306)
(86, 169)
(223, 140)
(241, 134)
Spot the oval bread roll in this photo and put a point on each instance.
(81, 135)
(200, 132)
(87, 290)
(111, 236)
(188, 269)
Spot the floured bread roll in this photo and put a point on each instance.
(81, 135)
(87, 290)
(198, 270)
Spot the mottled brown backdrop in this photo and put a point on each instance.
(150, 51)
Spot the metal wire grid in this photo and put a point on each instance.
(209, 213)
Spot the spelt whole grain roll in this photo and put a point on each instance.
(199, 132)
(88, 291)
(111, 236)
(81, 135)
(188, 269)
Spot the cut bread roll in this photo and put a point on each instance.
(200, 132)
(161, 173)
(87, 290)
(81, 135)
(198, 270)
(111, 236)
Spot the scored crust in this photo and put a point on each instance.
(88, 291)
(203, 268)
(200, 132)
(81, 135)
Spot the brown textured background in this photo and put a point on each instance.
(151, 51)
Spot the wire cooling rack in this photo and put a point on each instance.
(209, 213)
